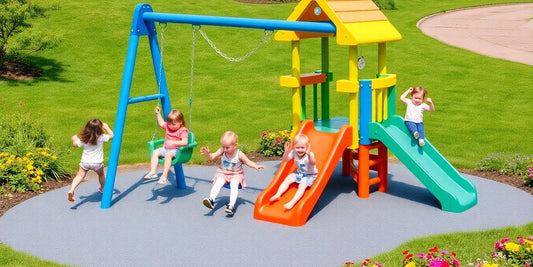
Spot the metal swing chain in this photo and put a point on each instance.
(266, 37)
(163, 26)
(191, 83)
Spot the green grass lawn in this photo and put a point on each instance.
(483, 105)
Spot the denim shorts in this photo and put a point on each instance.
(163, 151)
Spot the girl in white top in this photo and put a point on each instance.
(91, 138)
(414, 114)
(229, 171)
(306, 171)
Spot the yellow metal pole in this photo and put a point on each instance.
(296, 91)
(353, 97)
(382, 58)
(382, 70)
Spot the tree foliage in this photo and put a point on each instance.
(18, 39)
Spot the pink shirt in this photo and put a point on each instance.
(176, 135)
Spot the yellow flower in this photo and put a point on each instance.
(410, 264)
(513, 247)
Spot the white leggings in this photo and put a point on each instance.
(234, 189)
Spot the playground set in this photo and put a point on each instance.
(365, 136)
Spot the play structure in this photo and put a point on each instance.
(364, 136)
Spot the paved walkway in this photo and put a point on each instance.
(151, 225)
(501, 31)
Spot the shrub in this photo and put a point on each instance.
(18, 131)
(272, 142)
(509, 253)
(506, 163)
(26, 160)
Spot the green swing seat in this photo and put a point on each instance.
(184, 153)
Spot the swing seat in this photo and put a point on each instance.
(184, 153)
(228, 187)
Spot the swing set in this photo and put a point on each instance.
(144, 25)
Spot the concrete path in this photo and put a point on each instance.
(501, 31)
(153, 225)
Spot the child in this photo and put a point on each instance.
(306, 173)
(91, 138)
(414, 114)
(176, 135)
(229, 171)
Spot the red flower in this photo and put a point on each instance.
(434, 249)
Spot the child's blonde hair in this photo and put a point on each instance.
(92, 130)
(230, 136)
(419, 89)
(301, 138)
(175, 116)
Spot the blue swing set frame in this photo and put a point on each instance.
(143, 25)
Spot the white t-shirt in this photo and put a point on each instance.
(415, 113)
(304, 167)
(93, 153)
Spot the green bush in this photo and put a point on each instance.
(273, 142)
(26, 159)
(503, 163)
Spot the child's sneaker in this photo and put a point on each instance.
(162, 181)
(415, 135)
(421, 142)
(71, 196)
(209, 203)
(230, 209)
(150, 176)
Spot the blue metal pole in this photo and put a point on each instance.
(160, 76)
(119, 122)
(139, 27)
(267, 24)
(365, 112)
(180, 176)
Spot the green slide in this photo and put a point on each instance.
(455, 193)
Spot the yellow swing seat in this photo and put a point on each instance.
(184, 153)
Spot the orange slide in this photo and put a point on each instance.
(328, 149)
